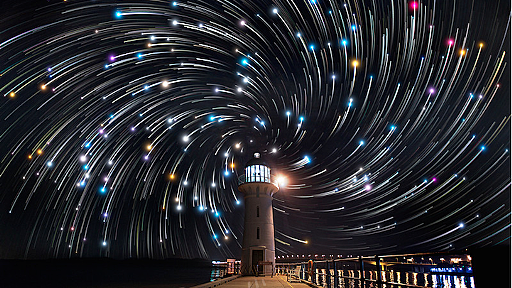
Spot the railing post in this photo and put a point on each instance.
(336, 278)
(361, 271)
(328, 276)
(313, 274)
(379, 274)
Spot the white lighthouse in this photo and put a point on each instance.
(258, 186)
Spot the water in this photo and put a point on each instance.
(412, 278)
(102, 273)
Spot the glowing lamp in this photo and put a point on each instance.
(281, 180)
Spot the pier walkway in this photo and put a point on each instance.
(278, 281)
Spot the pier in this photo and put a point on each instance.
(405, 270)
(278, 281)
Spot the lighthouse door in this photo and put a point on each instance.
(257, 256)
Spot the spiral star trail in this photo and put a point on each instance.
(125, 125)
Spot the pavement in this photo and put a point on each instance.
(278, 281)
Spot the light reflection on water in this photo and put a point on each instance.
(414, 278)
(217, 273)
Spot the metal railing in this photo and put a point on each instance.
(242, 179)
(329, 272)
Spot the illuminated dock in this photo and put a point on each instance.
(278, 281)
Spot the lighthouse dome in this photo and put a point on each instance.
(256, 160)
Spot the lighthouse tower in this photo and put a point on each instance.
(258, 186)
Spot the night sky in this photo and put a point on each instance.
(125, 124)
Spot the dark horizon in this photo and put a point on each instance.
(104, 272)
(124, 126)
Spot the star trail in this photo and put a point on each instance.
(126, 124)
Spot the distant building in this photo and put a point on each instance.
(258, 247)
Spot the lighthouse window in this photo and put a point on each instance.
(257, 211)
(257, 173)
(258, 233)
